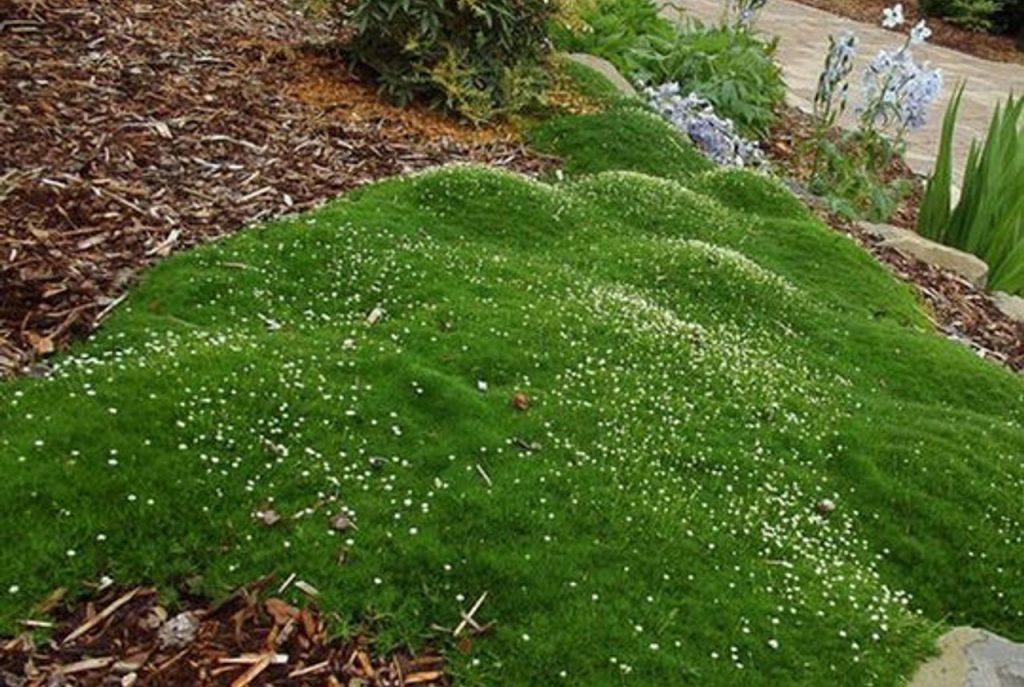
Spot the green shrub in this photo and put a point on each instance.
(989, 219)
(1004, 16)
(611, 29)
(731, 67)
(474, 57)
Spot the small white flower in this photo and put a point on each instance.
(893, 16)
(920, 33)
(481, 386)
(773, 643)
(13, 589)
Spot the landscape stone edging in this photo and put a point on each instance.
(1010, 305)
(969, 657)
(970, 267)
(605, 69)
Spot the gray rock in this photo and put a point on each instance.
(969, 657)
(970, 267)
(605, 69)
(1009, 305)
(179, 631)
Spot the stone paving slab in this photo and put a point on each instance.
(803, 39)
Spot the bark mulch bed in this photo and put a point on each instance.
(945, 33)
(130, 130)
(125, 638)
(959, 310)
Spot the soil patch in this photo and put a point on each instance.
(944, 33)
(133, 130)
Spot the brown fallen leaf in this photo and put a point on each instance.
(42, 345)
(280, 611)
(520, 401)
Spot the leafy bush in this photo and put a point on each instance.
(611, 29)
(989, 219)
(727, 65)
(475, 57)
(730, 67)
(979, 15)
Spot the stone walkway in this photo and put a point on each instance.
(803, 38)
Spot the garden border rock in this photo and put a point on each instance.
(970, 267)
(605, 69)
(1010, 305)
(969, 657)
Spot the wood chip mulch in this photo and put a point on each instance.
(130, 130)
(125, 637)
(959, 310)
(997, 48)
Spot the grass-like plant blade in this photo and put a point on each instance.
(989, 218)
(933, 220)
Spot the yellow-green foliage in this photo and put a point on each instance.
(474, 57)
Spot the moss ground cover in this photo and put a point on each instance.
(704, 364)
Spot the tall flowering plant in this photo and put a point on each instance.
(741, 13)
(896, 95)
(897, 91)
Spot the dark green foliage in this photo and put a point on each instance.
(474, 57)
(1002, 16)
(732, 68)
(613, 28)
(933, 216)
(848, 173)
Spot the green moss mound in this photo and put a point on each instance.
(703, 362)
(623, 137)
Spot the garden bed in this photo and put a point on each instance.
(961, 311)
(251, 637)
(944, 33)
(596, 406)
(136, 130)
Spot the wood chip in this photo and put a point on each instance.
(253, 672)
(101, 616)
